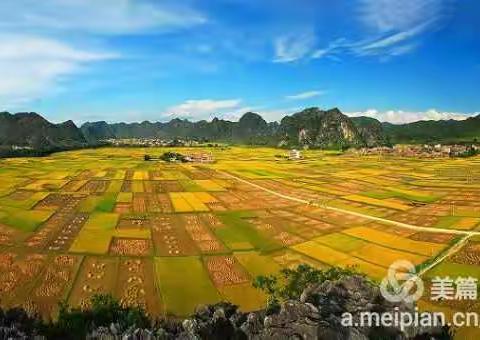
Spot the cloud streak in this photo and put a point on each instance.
(293, 47)
(36, 66)
(204, 108)
(392, 28)
(98, 17)
(305, 95)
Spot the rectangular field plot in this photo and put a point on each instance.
(321, 253)
(170, 237)
(23, 199)
(239, 234)
(46, 185)
(96, 234)
(333, 257)
(97, 275)
(54, 283)
(384, 257)
(188, 202)
(136, 285)
(342, 242)
(381, 203)
(130, 247)
(257, 264)
(204, 239)
(287, 258)
(245, 296)
(209, 185)
(184, 284)
(17, 275)
(395, 242)
(25, 220)
(454, 270)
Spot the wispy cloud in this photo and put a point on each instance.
(292, 47)
(203, 108)
(391, 28)
(33, 66)
(402, 117)
(305, 95)
(99, 17)
(396, 26)
(392, 15)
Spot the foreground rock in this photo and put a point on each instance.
(317, 315)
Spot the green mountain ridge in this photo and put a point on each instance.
(311, 127)
(29, 130)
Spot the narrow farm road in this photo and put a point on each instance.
(450, 251)
(344, 211)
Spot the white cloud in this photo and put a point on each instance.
(305, 95)
(99, 17)
(401, 117)
(393, 28)
(32, 66)
(393, 15)
(331, 48)
(393, 45)
(396, 26)
(292, 47)
(204, 108)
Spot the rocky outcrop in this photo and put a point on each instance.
(325, 129)
(316, 315)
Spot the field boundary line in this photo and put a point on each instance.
(452, 250)
(374, 218)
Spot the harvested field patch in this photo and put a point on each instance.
(17, 273)
(170, 237)
(469, 255)
(54, 283)
(136, 285)
(96, 276)
(95, 186)
(130, 247)
(201, 235)
(225, 271)
(431, 237)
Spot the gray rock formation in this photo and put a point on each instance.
(317, 315)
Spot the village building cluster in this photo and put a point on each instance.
(423, 151)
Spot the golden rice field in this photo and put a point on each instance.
(91, 221)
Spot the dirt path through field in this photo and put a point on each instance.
(374, 218)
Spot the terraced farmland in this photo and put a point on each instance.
(171, 236)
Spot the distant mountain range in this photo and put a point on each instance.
(30, 134)
(311, 127)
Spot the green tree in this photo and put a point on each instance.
(290, 283)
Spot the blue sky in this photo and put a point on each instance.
(135, 60)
